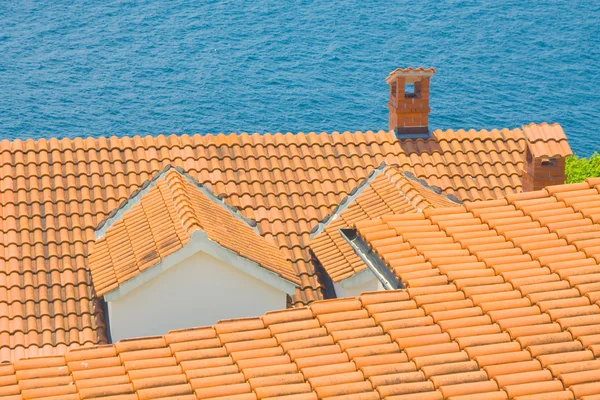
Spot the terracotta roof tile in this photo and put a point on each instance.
(409, 71)
(549, 316)
(382, 344)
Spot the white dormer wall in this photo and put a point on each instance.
(195, 291)
(364, 281)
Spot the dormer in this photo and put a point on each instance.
(175, 255)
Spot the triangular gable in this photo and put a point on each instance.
(161, 218)
(388, 190)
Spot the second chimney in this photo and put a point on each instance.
(545, 156)
(409, 101)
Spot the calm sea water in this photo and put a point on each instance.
(74, 68)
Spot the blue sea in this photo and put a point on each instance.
(75, 68)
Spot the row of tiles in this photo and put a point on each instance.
(237, 182)
(257, 140)
(276, 165)
(67, 162)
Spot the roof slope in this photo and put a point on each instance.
(55, 192)
(387, 190)
(522, 272)
(512, 311)
(160, 219)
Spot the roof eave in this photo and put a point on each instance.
(347, 201)
(200, 241)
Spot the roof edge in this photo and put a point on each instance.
(348, 200)
(373, 261)
(534, 139)
(21, 144)
(235, 212)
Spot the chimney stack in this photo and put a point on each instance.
(409, 101)
(544, 163)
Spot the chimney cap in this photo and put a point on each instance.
(413, 74)
(547, 140)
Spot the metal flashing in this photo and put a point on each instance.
(371, 260)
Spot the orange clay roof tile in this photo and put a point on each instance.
(331, 357)
(547, 317)
(546, 140)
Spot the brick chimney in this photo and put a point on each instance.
(545, 154)
(409, 101)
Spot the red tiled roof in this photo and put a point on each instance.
(530, 235)
(386, 191)
(161, 220)
(504, 304)
(55, 192)
(415, 342)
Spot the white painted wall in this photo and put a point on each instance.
(197, 291)
(364, 281)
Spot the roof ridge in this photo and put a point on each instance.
(182, 202)
(547, 140)
(235, 212)
(349, 199)
(8, 144)
(383, 167)
(540, 125)
(48, 140)
(436, 189)
(403, 192)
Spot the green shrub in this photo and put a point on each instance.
(577, 169)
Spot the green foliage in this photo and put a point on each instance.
(577, 169)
